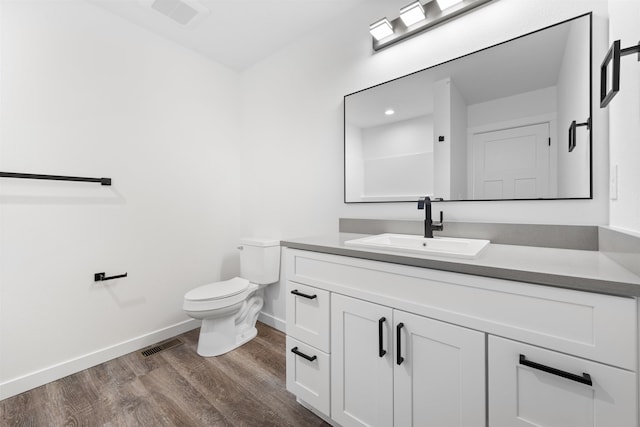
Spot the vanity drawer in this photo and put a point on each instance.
(308, 315)
(308, 379)
(589, 325)
(533, 386)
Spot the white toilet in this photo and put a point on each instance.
(229, 309)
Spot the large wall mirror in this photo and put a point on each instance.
(511, 121)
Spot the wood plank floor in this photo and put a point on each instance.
(175, 387)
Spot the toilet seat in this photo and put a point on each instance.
(217, 290)
(217, 295)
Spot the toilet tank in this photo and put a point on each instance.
(260, 260)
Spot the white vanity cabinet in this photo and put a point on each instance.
(390, 367)
(460, 337)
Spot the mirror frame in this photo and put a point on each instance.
(344, 110)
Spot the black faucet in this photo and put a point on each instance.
(429, 225)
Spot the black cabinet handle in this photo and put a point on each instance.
(300, 294)
(381, 351)
(295, 350)
(399, 357)
(583, 379)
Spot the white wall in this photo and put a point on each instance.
(85, 93)
(293, 126)
(398, 159)
(442, 128)
(407, 137)
(458, 144)
(573, 101)
(504, 111)
(450, 155)
(624, 116)
(354, 163)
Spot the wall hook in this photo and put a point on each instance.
(101, 277)
(613, 56)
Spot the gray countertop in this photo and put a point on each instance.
(582, 270)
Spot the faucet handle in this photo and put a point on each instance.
(440, 225)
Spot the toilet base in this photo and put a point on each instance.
(220, 335)
(212, 344)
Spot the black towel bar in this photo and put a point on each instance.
(102, 181)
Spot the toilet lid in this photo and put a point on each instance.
(218, 290)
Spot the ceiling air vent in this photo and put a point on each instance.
(186, 13)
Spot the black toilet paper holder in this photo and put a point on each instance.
(101, 277)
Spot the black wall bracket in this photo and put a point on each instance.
(572, 132)
(613, 56)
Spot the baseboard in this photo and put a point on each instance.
(36, 379)
(274, 322)
(317, 413)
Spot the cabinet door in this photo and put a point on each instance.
(361, 374)
(441, 378)
(530, 386)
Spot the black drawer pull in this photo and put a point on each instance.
(399, 357)
(300, 294)
(381, 351)
(583, 379)
(295, 350)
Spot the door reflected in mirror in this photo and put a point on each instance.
(491, 125)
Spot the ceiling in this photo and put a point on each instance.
(235, 33)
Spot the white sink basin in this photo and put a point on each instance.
(406, 243)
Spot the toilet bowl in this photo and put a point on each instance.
(229, 309)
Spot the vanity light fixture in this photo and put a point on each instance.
(389, 112)
(416, 17)
(381, 29)
(412, 13)
(613, 57)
